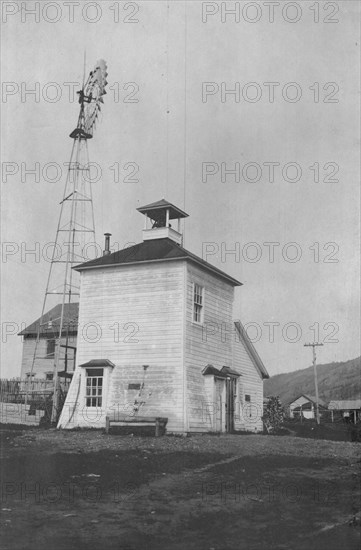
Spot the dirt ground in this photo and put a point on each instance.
(84, 489)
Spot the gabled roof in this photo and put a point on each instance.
(345, 404)
(228, 371)
(225, 372)
(251, 350)
(156, 250)
(310, 398)
(154, 207)
(211, 370)
(51, 321)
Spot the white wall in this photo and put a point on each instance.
(248, 414)
(133, 316)
(42, 366)
(142, 315)
(206, 344)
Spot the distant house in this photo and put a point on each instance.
(305, 405)
(44, 361)
(165, 342)
(349, 409)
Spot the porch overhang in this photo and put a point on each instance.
(224, 373)
(97, 363)
(229, 372)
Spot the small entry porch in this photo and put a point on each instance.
(222, 385)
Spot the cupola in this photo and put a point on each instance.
(162, 220)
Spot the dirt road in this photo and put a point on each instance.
(77, 490)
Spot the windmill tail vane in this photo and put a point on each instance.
(90, 98)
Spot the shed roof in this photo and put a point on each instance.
(156, 250)
(347, 404)
(51, 321)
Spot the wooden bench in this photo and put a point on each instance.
(116, 419)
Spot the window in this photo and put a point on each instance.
(247, 398)
(50, 348)
(198, 303)
(134, 387)
(94, 387)
(49, 376)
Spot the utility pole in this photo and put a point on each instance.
(315, 375)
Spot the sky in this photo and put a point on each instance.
(194, 93)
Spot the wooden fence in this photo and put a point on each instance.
(24, 401)
(16, 390)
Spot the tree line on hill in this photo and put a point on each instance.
(336, 381)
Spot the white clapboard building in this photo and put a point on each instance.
(46, 329)
(157, 337)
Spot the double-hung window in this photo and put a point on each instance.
(94, 387)
(198, 303)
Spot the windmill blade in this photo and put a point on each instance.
(91, 99)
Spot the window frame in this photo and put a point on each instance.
(96, 390)
(50, 342)
(197, 304)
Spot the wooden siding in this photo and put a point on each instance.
(42, 366)
(142, 315)
(204, 344)
(247, 414)
(219, 346)
(133, 316)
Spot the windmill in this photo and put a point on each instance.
(76, 226)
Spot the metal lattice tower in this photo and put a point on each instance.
(75, 238)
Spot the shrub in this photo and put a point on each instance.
(273, 414)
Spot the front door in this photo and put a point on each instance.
(230, 391)
(219, 406)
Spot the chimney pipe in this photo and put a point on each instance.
(106, 250)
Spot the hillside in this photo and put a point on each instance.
(335, 381)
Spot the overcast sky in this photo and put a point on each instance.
(178, 131)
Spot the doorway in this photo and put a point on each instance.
(219, 420)
(230, 402)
